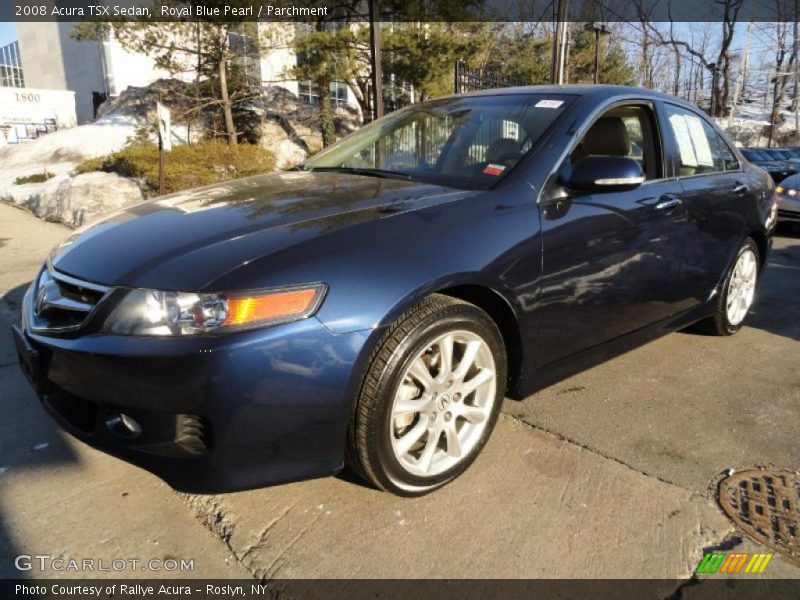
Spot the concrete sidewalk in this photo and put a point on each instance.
(574, 491)
(61, 498)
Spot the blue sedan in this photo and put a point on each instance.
(375, 306)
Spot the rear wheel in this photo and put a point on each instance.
(430, 397)
(738, 292)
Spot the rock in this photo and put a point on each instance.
(287, 154)
(139, 103)
(76, 201)
(289, 126)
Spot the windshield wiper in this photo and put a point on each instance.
(368, 172)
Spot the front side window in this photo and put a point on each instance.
(624, 131)
(469, 142)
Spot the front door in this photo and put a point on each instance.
(611, 260)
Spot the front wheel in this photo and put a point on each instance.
(738, 292)
(430, 398)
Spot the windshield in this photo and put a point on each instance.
(469, 142)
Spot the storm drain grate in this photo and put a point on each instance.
(766, 506)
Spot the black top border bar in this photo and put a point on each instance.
(399, 10)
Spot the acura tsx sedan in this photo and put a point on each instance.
(375, 306)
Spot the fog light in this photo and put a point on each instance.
(123, 426)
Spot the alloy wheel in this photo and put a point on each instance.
(742, 287)
(443, 403)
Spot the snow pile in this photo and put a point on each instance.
(60, 198)
(749, 126)
(59, 152)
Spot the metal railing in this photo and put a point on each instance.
(468, 79)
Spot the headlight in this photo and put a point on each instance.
(152, 312)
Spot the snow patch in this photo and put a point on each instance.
(73, 200)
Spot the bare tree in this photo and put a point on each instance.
(719, 66)
(785, 56)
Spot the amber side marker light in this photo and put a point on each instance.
(273, 306)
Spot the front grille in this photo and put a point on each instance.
(63, 303)
(788, 215)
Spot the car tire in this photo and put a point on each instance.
(738, 288)
(421, 418)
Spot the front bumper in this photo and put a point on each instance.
(788, 209)
(212, 413)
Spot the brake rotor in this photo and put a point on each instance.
(765, 505)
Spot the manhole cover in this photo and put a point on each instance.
(766, 506)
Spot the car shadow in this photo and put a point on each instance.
(30, 442)
(776, 309)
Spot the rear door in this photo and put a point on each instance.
(716, 192)
(611, 260)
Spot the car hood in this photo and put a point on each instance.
(187, 240)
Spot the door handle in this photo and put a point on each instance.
(668, 203)
(740, 188)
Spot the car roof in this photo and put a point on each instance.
(597, 91)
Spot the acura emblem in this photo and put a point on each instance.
(44, 295)
(41, 300)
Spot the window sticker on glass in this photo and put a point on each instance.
(493, 169)
(681, 130)
(548, 103)
(700, 142)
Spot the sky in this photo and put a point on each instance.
(8, 33)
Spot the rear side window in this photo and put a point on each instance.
(698, 143)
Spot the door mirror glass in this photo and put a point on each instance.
(601, 174)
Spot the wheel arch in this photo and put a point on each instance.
(470, 287)
(500, 311)
(760, 238)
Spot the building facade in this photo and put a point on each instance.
(95, 70)
(27, 113)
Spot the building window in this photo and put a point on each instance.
(309, 92)
(11, 66)
(246, 60)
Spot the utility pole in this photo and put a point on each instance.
(560, 44)
(598, 28)
(714, 75)
(375, 57)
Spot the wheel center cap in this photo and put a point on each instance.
(442, 402)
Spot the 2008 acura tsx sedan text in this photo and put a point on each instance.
(374, 306)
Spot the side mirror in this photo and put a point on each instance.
(601, 174)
